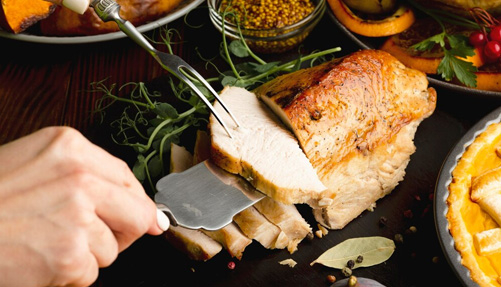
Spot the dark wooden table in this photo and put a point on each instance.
(45, 84)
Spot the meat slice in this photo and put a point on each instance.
(256, 226)
(287, 218)
(262, 150)
(232, 239)
(201, 244)
(355, 119)
(194, 243)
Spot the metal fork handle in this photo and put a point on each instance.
(109, 10)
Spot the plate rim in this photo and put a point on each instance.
(178, 12)
(440, 206)
(436, 82)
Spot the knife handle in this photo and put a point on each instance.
(163, 220)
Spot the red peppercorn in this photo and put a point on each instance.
(231, 265)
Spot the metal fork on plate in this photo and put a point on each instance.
(108, 10)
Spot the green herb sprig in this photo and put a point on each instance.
(454, 46)
(149, 124)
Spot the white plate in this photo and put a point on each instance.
(178, 12)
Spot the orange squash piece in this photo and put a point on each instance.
(18, 15)
(400, 20)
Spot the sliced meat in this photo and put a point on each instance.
(256, 226)
(232, 239)
(287, 218)
(199, 244)
(262, 150)
(201, 151)
(180, 158)
(355, 119)
(194, 243)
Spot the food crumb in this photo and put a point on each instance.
(322, 229)
(289, 262)
(319, 233)
(435, 259)
(192, 269)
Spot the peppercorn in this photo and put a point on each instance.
(231, 265)
(347, 271)
(352, 282)
(399, 238)
(408, 213)
(382, 221)
(331, 278)
(360, 258)
(350, 264)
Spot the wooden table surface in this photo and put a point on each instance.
(45, 84)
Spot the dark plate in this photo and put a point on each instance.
(442, 192)
(375, 43)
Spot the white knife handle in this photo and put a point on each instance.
(162, 220)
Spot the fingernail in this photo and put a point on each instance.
(162, 220)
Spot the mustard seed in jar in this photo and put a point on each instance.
(269, 14)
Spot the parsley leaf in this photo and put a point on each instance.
(452, 64)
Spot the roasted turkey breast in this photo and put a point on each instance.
(355, 119)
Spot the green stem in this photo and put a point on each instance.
(291, 64)
(162, 143)
(148, 175)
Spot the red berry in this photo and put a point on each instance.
(477, 38)
(492, 50)
(495, 33)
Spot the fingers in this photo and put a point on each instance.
(55, 152)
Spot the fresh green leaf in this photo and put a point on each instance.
(265, 67)
(238, 49)
(451, 66)
(155, 166)
(139, 168)
(374, 249)
(165, 110)
(459, 45)
(430, 42)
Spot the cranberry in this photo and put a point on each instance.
(492, 50)
(477, 38)
(495, 33)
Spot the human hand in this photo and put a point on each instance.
(67, 207)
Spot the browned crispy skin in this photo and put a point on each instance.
(355, 119)
(349, 106)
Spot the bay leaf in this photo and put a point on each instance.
(374, 249)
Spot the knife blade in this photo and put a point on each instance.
(204, 196)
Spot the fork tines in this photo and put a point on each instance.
(184, 78)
